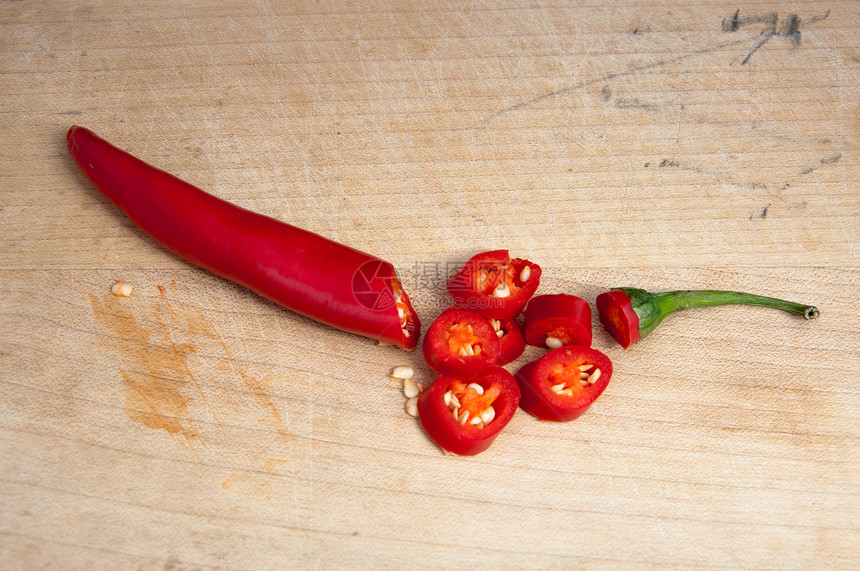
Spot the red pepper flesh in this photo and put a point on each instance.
(512, 344)
(461, 343)
(468, 423)
(562, 384)
(556, 320)
(615, 311)
(300, 270)
(494, 285)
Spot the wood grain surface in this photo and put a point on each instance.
(194, 425)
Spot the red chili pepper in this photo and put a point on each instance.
(465, 416)
(556, 320)
(461, 343)
(494, 285)
(630, 314)
(511, 340)
(300, 270)
(562, 384)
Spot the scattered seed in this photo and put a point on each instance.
(412, 406)
(121, 289)
(402, 372)
(476, 387)
(502, 290)
(554, 342)
(411, 388)
(592, 378)
(524, 275)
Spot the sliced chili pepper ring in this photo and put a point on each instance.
(461, 343)
(562, 384)
(465, 416)
(556, 320)
(495, 285)
(511, 340)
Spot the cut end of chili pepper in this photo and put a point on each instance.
(494, 285)
(615, 310)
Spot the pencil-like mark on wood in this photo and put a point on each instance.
(789, 30)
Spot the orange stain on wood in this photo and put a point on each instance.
(154, 375)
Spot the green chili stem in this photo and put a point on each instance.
(671, 301)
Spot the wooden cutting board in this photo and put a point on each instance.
(195, 425)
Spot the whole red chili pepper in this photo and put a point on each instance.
(630, 314)
(303, 271)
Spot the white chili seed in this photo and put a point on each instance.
(585, 367)
(402, 372)
(500, 333)
(558, 388)
(447, 399)
(592, 378)
(462, 352)
(583, 376)
(455, 401)
(554, 342)
(476, 387)
(405, 333)
(476, 420)
(567, 392)
(121, 289)
(470, 351)
(412, 407)
(456, 412)
(524, 275)
(502, 290)
(476, 349)
(464, 418)
(488, 415)
(411, 388)
(495, 323)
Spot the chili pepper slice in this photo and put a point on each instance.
(494, 285)
(461, 343)
(556, 320)
(512, 344)
(464, 416)
(300, 270)
(630, 314)
(562, 384)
